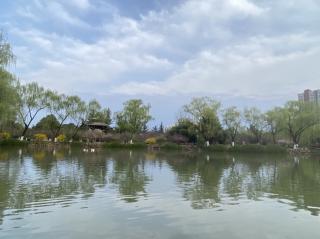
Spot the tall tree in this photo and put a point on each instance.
(32, 100)
(161, 128)
(49, 124)
(256, 122)
(63, 107)
(203, 113)
(274, 121)
(8, 94)
(298, 117)
(232, 121)
(184, 127)
(79, 116)
(134, 117)
(8, 99)
(6, 55)
(97, 114)
(198, 107)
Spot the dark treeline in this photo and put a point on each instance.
(203, 121)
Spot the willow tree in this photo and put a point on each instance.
(63, 107)
(79, 116)
(255, 120)
(203, 113)
(274, 122)
(134, 117)
(232, 121)
(7, 84)
(32, 99)
(6, 55)
(8, 98)
(298, 117)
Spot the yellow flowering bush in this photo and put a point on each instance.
(151, 140)
(40, 137)
(61, 138)
(5, 135)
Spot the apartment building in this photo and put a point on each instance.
(310, 96)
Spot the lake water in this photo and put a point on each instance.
(134, 194)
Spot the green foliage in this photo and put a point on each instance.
(64, 107)
(118, 145)
(274, 121)
(199, 107)
(232, 122)
(32, 100)
(273, 148)
(257, 148)
(217, 148)
(170, 146)
(48, 124)
(203, 113)
(8, 95)
(12, 142)
(256, 122)
(134, 117)
(298, 117)
(97, 114)
(185, 128)
(6, 55)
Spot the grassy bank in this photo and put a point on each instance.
(12, 142)
(117, 145)
(249, 148)
(168, 146)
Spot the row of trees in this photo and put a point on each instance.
(200, 121)
(32, 100)
(21, 104)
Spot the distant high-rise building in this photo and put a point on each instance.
(310, 96)
(317, 95)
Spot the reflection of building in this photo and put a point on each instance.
(310, 96)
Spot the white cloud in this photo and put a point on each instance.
(83, 4)
(237, 47)
(252, 69)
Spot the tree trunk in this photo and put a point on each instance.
(76, 131)
(26, 127)
(58, 131)
(274, 139)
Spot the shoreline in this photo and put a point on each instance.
(166, 146)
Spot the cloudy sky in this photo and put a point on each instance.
(242, 52)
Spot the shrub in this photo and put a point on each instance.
(117, 145)
(61, 138)
(12, 142)
(151, 140)
(257, 148)
(218, 148)
(5, 136)
(171, 146)
(40, 137)
(113, 145)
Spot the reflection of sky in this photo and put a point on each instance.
(162, 211)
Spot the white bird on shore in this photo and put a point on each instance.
(93, 150)
(85, 150)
